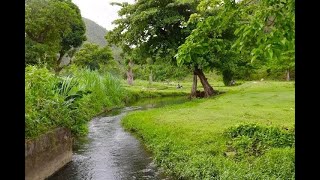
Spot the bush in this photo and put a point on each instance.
(67, 101)
(42, 103)
(254, 140)
(227, 76)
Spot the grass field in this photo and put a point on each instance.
(142, 88)
(245, 133)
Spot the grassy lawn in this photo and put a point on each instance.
(203, 139)
(142, 89)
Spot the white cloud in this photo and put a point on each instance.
(100, 11)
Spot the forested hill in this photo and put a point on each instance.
(94, 32)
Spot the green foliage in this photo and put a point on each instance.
(76, 36)
(277, 163)
(228, 35)
(167, 72)
(268, 73)
(209, 44)
(92, 56)
(67, 101)
(153, 28)
(95, 35)
(65, 85)
(160, 72)
(227, 76)
(267, 32)
(254, 140)
(52, 27)
(104, 92)
(44, 108)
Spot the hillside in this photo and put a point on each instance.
(94, 32)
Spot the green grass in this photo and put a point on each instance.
(142, 89)
(189, 140)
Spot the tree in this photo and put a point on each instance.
(129, 72)
(43, 22)
(53, 27)
(129, 54)
(209, 44)
(153, 29)
(267, 32)
(92, 56)
(74, 38)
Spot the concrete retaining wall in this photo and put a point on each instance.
(47, 154)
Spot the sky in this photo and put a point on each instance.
(100, 11)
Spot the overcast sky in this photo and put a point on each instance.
(100, 11)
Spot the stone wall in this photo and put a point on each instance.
(47, 154)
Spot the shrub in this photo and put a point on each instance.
(68, 101)
(227, 77)
(254, 140)
(41, 101)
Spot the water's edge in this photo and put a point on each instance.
(110, 152)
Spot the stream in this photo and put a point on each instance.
(110, 153)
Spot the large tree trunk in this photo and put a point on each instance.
(288, 75)
(130, 73)
(194, 86)
(208, 90)
(150, 77)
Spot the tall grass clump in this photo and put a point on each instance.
(104, 91)
(258, 152)
(67, 101)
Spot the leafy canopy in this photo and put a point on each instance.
(154, 28)
(209, 44)
(267, 31)
(228, 35)
(52, 27)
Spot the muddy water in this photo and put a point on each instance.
(110, 153)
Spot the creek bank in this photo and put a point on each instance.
(110, 152)
(48, 153)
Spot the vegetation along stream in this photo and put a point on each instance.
(109, 152)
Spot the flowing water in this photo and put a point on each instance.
(110, 153)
